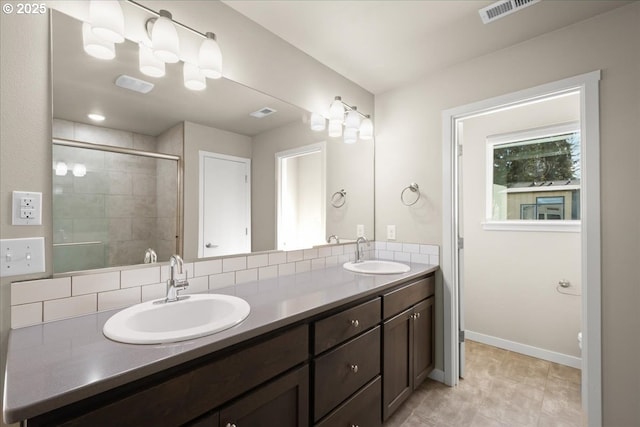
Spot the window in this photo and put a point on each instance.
(534, 175)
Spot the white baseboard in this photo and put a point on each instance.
(437, 375)
(551, 356)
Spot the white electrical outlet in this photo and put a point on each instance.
(21, 256)
(391, 232)
(27, 208)
(360, 230)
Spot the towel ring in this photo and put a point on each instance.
(414, 189)
(339, 198)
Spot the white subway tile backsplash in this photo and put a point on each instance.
(380, 246)
(434, 259)
(245, 276)
(324, 251)
(234, 264)
(344, 258)
(310, 253)
(254, 261)
(119, 299)
(286, 269)
(411, 248)
(151, 292)
(302, 266)
(394, 246)
(70, 307)
(93, 283)
(429, 249)
(269, 272)
(26, 315)
(337, 250)
(384, 255)
(277, 258)
(402, 257)
(206, 268)
(221, 280)
(40, 290)
(420, 258)
(317, 263)
(139, 277)
(196, 285)
(294, 256)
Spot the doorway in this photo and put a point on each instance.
(587, 87)
(225, 205)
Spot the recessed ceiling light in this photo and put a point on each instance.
(96, 117)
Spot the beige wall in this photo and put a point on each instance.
(408, 148)
(510, 276)
(197, 138)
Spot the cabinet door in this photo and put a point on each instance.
(397, 374)
(423, 335)
(283, 403)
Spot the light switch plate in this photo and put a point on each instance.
(360, 230)
(21, 256)
(391, 232)
(27, 208)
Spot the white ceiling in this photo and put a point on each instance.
(383, 44)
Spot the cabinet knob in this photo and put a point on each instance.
(355, 425)
(418, 315)
(354, 368)
(230, 425)
(355, 323)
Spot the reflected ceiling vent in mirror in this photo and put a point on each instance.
(263, 112)
(131, 83)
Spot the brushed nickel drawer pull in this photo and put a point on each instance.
(354, 368)
(355, 323)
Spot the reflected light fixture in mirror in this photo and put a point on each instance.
(210, 57)
(96, 46)
(193, 78)
(318, 123)
(107, 20)
(149, 64)
(356, 124)
(164, 37)
(366, 128)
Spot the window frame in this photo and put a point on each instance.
(492, 141)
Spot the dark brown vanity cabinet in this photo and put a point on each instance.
(408, 334)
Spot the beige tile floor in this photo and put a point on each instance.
(501, 389)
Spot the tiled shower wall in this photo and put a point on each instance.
(113, 211)
(41, 301)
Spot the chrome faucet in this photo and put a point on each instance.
(173, 285)
(359, 254)
(333, 236)
(150, 256)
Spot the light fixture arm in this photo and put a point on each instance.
(150, 21)
(352, 108)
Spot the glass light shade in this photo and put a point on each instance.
(61, 169)
(164, 39)
(79, 170)
(336, 110)
(353, 120)
(350, 135)
(317, 122)
(210, 57)
(149, 63)
(335, 128)
(107, 20)
(96, 46)
(366, 129)
(193, 77)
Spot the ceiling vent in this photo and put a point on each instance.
(503, 8)
(263, 112)
(131, 83)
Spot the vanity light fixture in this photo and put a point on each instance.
(95, 45)
(149, 64)
(193, 77)
(164, 37)
(79, 170)
(210, 57)
(61, 169)
(96, 117)
(107, 20)
(356, 125)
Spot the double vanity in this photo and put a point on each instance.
(329, 347)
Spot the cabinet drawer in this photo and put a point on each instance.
(398, 300)
(363, 409)
(346, 324)
(342, 371)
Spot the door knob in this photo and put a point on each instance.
(210, 245)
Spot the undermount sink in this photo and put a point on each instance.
(193, 316)
(376, 267)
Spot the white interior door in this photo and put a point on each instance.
(225, 205)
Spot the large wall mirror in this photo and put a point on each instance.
(189, 172)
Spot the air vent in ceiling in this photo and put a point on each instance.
(263, 112)
(503, 8)
(131, 83)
